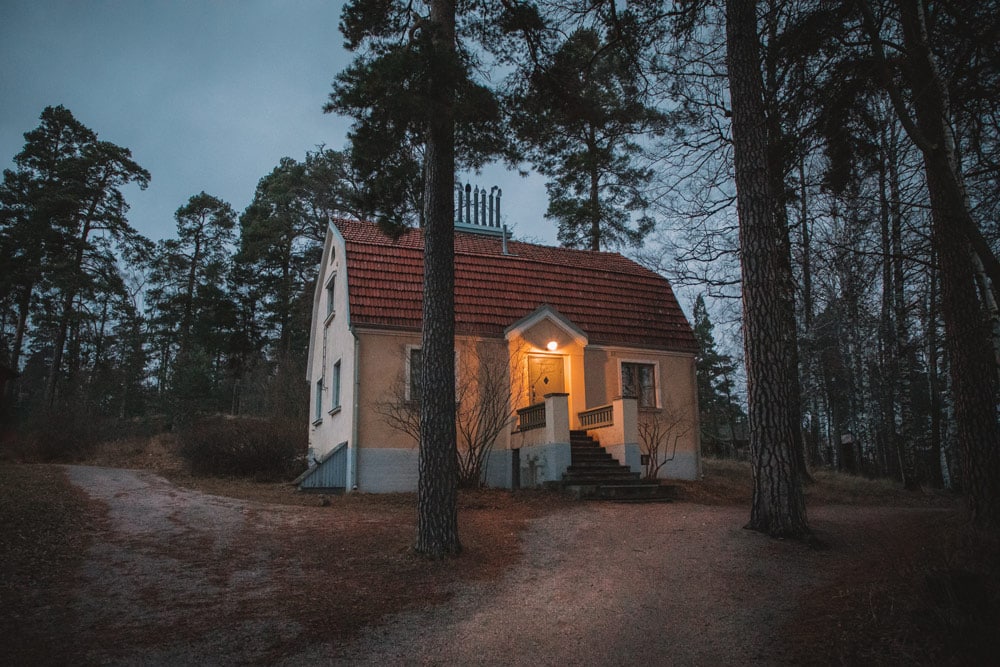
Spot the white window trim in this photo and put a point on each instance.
(330, 289)
(318, 402)
(407, 354)
(657, 387)
(335, 386)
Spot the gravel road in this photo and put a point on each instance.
(599, 584)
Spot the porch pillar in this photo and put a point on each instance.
(557, 418)
(623, 440)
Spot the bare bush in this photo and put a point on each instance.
(240, 447)
(485, 406)
(659, 433)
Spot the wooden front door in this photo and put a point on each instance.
(546, 376)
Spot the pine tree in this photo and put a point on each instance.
(778, 507)
(581, 116)
(719, 415)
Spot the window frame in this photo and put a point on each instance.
(331, 294)
(408, 371)
(409, 393)
(638, 364)
(318, 401)
(335, 372)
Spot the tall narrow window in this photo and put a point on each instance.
(319, 400)
(415, 364)
(330, 293)
(639, 382)
(335, 387)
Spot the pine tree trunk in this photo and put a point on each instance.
(777, 508)
(437, 495)
(967, 331)
(595, 209)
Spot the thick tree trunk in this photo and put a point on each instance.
(769, 337)
(437, 495)
(967, 330)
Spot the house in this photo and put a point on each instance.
(591, 343)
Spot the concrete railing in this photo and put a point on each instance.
(597, 417)
(531, 417)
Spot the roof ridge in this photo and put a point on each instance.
(387, 240)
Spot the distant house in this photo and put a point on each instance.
(592, 342)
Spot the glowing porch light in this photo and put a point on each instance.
(552, 346)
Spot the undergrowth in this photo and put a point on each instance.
(263, 450)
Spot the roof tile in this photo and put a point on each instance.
(611, 298)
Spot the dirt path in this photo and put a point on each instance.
(624, 584)
(171, 559)
(599, 584)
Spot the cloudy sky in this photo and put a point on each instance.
(208, 94)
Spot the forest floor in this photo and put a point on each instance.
(130, 560)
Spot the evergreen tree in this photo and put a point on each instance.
(418, 109)
(778, 507)
(191, 310)
(281, 239)
(64, 227)
(719, 415)
(582, 117)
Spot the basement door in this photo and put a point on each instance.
(546, 376)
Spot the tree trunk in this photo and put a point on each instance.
(933, 383)
(778, 508)
(967, 330)
(904, 365)
(66, 314)
(595, 205)
(437, 495)
(808, 358)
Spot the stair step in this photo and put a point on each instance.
(601, 478)
(593, 456)
(644, 492)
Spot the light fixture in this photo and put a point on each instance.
(552, 346)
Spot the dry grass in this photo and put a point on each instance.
(905, 603)
(927, 593)
(47, 523)
(45, 526)
(726, 482)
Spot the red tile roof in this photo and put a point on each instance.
(611, 298)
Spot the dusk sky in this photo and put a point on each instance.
(208, 94)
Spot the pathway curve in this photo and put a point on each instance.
(599, 584)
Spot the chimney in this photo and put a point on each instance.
(477, 212)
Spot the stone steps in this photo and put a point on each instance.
(595, 474)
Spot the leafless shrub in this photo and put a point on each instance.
(659, 433)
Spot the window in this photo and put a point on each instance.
(639, 382)
(414, 364)
(319, 400)
(335, 387)
(330, 293)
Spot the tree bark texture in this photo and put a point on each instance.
(437, 494)
(769, 338)
(778, 508)
(967, 329)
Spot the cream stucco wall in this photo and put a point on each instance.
(677, 398)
